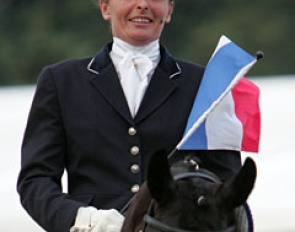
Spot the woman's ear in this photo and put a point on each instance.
(170, 12)
(104, 8)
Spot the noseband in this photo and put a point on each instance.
(151, 221)
(166, 228)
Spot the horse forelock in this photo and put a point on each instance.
(199, 206)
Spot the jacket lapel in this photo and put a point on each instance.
(157, 93)
(107, 83)
(161, 86)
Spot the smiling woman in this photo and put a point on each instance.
(137, 22)
(100, 118)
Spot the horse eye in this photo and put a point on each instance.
(202, 201)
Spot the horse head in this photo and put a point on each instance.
(182, 197)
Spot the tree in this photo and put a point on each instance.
(37, 33)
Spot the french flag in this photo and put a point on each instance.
(225, 113)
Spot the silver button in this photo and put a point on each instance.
(135, 188)
(134, 150)
(132, 131)
(135, 168)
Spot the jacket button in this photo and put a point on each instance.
(134, 150)
(135, 188)
(135, 168)
(132, 131)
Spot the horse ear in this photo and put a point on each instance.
(159, 177)
(237, 190)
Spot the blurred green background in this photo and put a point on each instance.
(36, 33)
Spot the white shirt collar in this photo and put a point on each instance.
(152, 50)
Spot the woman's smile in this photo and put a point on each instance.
(137, 22)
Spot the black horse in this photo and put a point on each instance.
(185, 198)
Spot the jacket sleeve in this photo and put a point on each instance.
(43, 161)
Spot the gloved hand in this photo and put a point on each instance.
(89, 219)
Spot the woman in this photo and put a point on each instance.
(100, 118)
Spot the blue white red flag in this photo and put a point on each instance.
(226, 113)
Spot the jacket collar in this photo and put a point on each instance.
(102, 59)
(106, 81)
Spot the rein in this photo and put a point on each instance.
(151, 221)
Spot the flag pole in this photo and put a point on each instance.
(172, 153)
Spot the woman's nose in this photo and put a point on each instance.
(142, 4)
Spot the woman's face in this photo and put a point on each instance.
(137, 22)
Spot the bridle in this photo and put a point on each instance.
(149, 220)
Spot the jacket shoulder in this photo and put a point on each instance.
(69, 64)
(190, 72)
(190, 66)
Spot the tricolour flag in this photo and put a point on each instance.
(226, 113)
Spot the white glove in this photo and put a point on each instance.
(89, 219)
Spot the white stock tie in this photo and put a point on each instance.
(134, 77)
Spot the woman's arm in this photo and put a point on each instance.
(42, 162)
